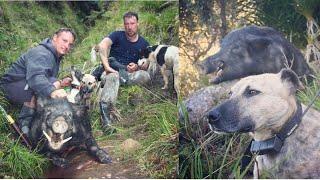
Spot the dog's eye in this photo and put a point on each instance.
(90, 83)
(252, 92)
(230, 93)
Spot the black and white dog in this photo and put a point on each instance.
(167, 57)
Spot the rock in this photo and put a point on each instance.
(130, 145)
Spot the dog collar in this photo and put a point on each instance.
(274, 144)
(74, 86)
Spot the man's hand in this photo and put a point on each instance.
(132, 67)
(58, 94)
(65, 82)
(110, 70)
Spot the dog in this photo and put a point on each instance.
(265, 106)
(64, 123)
(167, 57)
(82, 86)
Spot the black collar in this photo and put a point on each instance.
(274, 144)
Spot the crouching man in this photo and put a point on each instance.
(119, 53)
(35, 73)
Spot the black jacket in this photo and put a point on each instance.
(35, 66)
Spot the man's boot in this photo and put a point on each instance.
(25, 119)
(105, 109)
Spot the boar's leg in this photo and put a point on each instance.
(57, 160)
(97, 152)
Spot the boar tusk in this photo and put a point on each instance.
(66, 140)
(47, 136)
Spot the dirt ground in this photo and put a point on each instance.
(84, 166)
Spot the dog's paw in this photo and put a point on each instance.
(103, 157)
(60, 162)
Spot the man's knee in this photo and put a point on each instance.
(139, 77)
(31, 103)
(109, 76)
(109, 92)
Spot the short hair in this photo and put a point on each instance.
(130, 14)
(66, 30)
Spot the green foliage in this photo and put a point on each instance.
(27, 23)
(157, 118)
(307, 95)
(307, 7)
(16, 161)
(24, 25)
(155, 28)
(149, 117)
(282, 15)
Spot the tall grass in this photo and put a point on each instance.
(24, 25)
(308, 94)
(146, 115)
(154, 125)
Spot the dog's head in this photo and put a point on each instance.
(259, 104)
(87, 85)
(145, 53)
(82, 86)
(147, 59)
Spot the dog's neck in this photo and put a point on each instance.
(274, 143)
(272, 129)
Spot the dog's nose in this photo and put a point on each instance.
(213, 116)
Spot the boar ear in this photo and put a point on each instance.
(257, 44)
(290, 77)
(41, 102)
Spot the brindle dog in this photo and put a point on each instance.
(263, 105)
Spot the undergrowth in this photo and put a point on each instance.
(153, 122)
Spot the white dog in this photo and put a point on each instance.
(168, 59)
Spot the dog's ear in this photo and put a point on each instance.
(153, 48)
(78, 74)
(290, 77)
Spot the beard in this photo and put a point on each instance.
(131, 33)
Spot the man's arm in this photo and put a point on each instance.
(104, 51)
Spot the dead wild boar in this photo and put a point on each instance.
(59, 125)
(254, 50)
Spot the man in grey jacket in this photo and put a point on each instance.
(35, 74)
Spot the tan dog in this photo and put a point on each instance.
(168, 59)
(265, 106)
(82, 87)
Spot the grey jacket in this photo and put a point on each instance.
(35, 66)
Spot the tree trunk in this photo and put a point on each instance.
(223, 18)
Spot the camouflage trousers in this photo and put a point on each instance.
(109, 92)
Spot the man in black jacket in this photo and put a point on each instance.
(35, 73)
